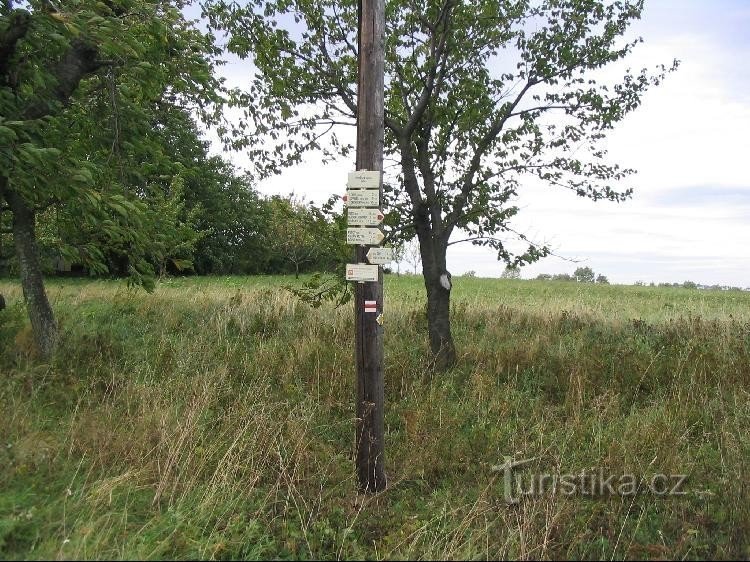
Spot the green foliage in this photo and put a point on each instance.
(580, 275)
(479, 96)
(233, 216)
(90, 98)
(322, 288)
(584, 275)
(511, 272)
(296, 232)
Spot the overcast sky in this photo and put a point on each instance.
(690, 216)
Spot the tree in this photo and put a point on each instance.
(297, 232)
(584, 275)
(56, 63)
(234, 217)
(478, 96)
(412, 255)
(602, 279)
(511, 272)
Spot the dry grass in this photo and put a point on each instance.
(214, 419)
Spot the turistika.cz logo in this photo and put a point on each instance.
(589, 483)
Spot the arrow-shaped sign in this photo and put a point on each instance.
(365, 217)
(364, 179)
(364, 236)
(380, 255)
(361, 272)
(362, 198)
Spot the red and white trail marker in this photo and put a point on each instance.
(371, 306)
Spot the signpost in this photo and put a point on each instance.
(365, 190)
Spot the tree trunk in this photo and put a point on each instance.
(437, 281)
(43, 323)
(439, 323)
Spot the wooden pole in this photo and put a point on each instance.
(368, 331)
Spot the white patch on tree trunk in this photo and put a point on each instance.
(445, 281)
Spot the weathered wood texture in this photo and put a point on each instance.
(370, 456)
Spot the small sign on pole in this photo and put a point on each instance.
(362, 198)
(364, 179)
(361, 272)
(380, 256)
(364, 217)
(364, 236)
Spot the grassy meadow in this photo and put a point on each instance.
(214, 419)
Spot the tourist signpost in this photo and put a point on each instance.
(363, 199)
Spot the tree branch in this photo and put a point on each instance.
(17, 26)
(79, 61)
(411, 184)
(428, 178)
(437, 46)
(482, 147)
(344, 34)
(521, 236)
(343, 91)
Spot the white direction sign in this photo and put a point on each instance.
(362, 198)
(380, 255)
(364, 179)
(364, 236)
(365, 217)
(361, 272)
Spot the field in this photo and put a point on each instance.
(214, 419)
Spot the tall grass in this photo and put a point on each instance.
(214, 419)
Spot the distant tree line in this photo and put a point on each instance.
(693, 285)
(580, 275)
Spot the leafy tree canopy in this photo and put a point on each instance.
(479, 96)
